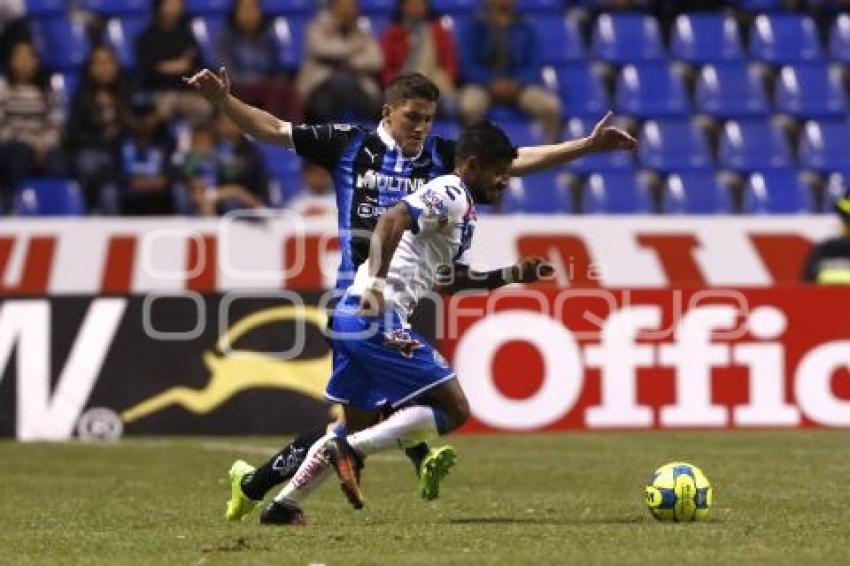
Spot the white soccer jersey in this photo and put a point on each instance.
(443, 223)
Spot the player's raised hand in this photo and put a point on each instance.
(607, 137)
(531, 269)
(212, 86)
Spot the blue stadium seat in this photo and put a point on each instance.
(455, 7)
(823, 146)
(377, 7)
(121, 35)
(65, 85)
(522, 132)
(61, 42)
(559, 39)
(207, 8)
(540, 193)
(731, 91)
(616, 192)
(627, 37)
(44, 8)
(839, 39)
(706, 38)
(696, 192)
(811, 91)
(375, 24)
(117, 8)
(301, 8)
(49, 197)
(752, 145)
(673, 145)
(650, 90)
(290, 34)
(760, 5)
(777, 192)
(446, 129)
(205, 30)
(617, 160)
(504, 113)
(784, 38)
(284, 167)
(581, 90)
(550, 7)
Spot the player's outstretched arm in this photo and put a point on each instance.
(258, 124)
(385, 239)
(604, 137)
(526, 270)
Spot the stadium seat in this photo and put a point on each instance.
(559, 39)
(117, 8)
(616, 192)
(65, 85)
(121, 35)
(706, 38)
(375, 24)
(777, 192)
(617, 160)
(823, 146)
(811, 91)
(290, 34)
(44, 8)
(301, 8)
(446, 129)
(549, 7)
(760, 5)
(205, 30)
(284, 167)
(752, 145)
(784, 38)
(695, 192)
(839, 39)
(49, 197)
(650, 90)
(455, 7)
(61, 42)
(539, 193)
(673, 145)
(627, 37)
(377, 7)
(731, 91)
(207, 8)
(581, 90)
(522, 132)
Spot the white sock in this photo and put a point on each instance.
(407, 427)
(310, 475)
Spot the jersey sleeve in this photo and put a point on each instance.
(436, 206)
(322, 144)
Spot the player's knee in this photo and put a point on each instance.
(460, 413)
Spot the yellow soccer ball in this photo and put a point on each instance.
(679, 492)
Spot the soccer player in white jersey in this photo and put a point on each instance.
(380, 361)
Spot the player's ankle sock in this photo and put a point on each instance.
(281, 466)
(416, 454)
(403, 428)
(312, 471)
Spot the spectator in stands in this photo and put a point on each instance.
(247, 47)
(100, 114)
(165, 51)
(317, 198)
(500, 62)
(146, 162)
(342, 61)
(223, 170)
(417, 42)
(14, 29)
(829, 261)
(30, 122)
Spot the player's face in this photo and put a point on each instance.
(489, 181)
(409, 122)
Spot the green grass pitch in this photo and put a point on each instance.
(781, 498)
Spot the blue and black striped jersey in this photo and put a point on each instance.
(370, 176)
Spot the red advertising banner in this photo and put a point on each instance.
(553, 359)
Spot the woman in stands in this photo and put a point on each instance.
(247, 47)
(100, 113)
(30, 122)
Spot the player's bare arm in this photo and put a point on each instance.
(603, 137)
(385, 239)
(258, 124)
(526, 270)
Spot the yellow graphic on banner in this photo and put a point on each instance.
(242, 370)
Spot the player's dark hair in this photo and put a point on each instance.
(486, 141)
(407, 86)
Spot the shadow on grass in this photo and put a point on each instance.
(548, 520)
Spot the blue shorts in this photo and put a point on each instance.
(386, 366)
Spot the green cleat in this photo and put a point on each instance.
(434, 467)
(239, 504)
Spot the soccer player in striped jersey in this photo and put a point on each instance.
(372, 171)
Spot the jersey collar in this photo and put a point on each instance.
(387, 139)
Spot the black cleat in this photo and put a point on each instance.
(347, 465)
(283, 513)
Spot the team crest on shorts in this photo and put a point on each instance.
(402, 341)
